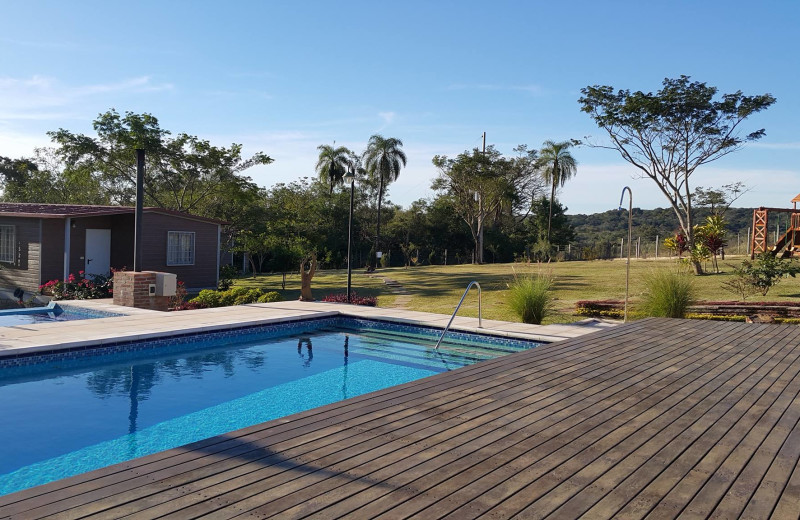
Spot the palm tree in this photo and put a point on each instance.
(332, 163)
(558, 166)
(383, 159)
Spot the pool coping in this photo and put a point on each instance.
(141, 325)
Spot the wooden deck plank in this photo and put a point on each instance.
(763, 501)
(670, 493)
(621, 484)
(639, 458)
(657, 417)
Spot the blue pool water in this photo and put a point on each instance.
(75, 412)
(69, 314)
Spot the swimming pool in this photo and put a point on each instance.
(54, 312)
(73, 411)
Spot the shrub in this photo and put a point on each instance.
(668, 293)
(765, 271)
(235, 296)
(530, 297)
(226, 275)
(207, 298)
(355, 299)
(250, 296)
(230, 296)
(270, 297)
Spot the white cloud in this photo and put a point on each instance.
(531, 89)
(32, 98)
(776, 146)
(387, 117)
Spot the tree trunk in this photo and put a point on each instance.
(550, 215)
(378, 226)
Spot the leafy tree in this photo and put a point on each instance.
(548, 218)
(383, 159)
(558, 166)
(719, 200)
(669, 134)
(182, 172)
(766, 271)
(43, 179)
(255, 246)
(332, 164)
(486, 184)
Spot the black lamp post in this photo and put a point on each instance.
(350, 176)
(628, 262)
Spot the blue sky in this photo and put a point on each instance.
(284, 77)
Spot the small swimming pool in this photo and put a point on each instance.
(74, 411)
(24, 316)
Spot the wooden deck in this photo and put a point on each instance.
(657, 419)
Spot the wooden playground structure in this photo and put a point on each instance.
(788, 244)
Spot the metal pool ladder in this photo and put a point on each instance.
(480, 319)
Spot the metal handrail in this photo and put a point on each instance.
(480, 319)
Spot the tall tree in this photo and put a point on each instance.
(182, 173)
(558, 166)
(383, 159)
(481, 184)
(332, 164)
(669, 134)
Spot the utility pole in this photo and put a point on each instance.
(480, 213)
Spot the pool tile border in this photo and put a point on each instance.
(300, 324)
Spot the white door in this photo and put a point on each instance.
(98, 252)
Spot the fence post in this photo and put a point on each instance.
(621, 246)
(656, 246)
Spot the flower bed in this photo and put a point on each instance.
(80, 287)
(784, 312)
(355, 299)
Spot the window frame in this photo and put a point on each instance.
(193, 248)
(11, 242)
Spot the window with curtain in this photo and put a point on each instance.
(8, 244)
(180, 248)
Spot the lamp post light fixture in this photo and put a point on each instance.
(351, 177)
(628, 261)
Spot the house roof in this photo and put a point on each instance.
(796, 199)
(59, 211)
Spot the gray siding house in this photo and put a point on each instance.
(42, 242)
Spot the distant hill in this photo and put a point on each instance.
(601, 232)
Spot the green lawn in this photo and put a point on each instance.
(438, 288)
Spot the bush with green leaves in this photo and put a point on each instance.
(531, 298)
(226, 275)
(764, 272)
(207, 298)
(235, 296)
(668, 293)
(270, 297)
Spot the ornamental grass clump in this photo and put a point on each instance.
(531, 298)
(668, 293)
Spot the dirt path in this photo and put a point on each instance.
(403, 296)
